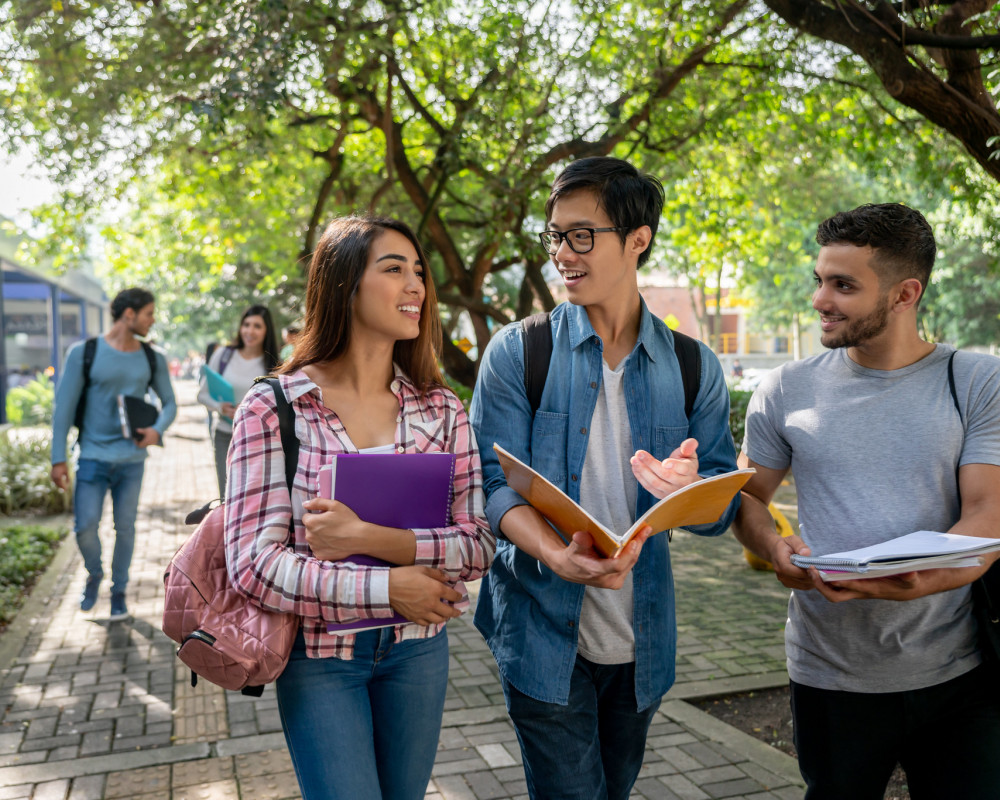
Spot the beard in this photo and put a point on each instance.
(859, 331)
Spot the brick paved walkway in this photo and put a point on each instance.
(91, 709)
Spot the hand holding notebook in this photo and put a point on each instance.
(406, 490)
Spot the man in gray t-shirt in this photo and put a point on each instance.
(882, 670)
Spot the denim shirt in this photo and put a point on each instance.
(529, 615)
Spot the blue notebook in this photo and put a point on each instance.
(398, 490)
(218, 387)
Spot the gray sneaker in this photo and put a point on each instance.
(118, 608)
(88, 597)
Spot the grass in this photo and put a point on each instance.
(27, 550)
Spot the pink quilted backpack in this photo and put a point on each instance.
(224, 637)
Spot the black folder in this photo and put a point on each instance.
(135, 413)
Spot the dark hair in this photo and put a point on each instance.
(271, 359)
(901, 239)
(630, 198)
(133, 298)
(337, 265)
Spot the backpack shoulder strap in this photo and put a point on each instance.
(689, 357)
(951, 386)
(286, 428)
(537, 354)
(89, 349)
(147, 348)
(225, 358)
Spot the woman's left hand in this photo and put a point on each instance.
(333, 531)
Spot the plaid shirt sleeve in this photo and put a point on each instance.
(262, 558)
(464, 550)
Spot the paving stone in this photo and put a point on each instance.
(270, 787)
(137, 781)
(51, 790)
(217, 790)
(88, 787)
(207, 770)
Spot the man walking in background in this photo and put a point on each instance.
(96, 373)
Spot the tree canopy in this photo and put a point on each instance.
(216, 140)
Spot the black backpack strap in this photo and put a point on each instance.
(951, 386)
(537, 354)
(286, 428)
(151, 358)
(689, 357)
(89, 349)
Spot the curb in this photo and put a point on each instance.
(742, 743)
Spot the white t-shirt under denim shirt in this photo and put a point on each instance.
(608, 491)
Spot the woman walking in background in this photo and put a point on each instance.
(252, 353)
(361, 712)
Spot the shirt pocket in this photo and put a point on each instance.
(666, 440)
(548, 445)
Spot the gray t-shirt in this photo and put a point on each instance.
(608, 490)
(874, 454)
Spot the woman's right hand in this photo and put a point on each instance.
(227, 410)
(422, 595)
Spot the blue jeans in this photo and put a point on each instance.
(93, 480)
(590, 749)
(368, 727)
(946, 737)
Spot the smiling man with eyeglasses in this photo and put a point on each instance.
(586, 645)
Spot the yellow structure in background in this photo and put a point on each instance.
(784, 528)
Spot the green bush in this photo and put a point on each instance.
(27, 551)
(737, 414)
(32, 403)
(25, 485)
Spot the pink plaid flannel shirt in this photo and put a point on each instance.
(276, 569)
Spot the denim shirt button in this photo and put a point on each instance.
(574, 477)
(593, 384)
(572, 624)
(583, 430)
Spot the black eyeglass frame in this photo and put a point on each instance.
(563, 236)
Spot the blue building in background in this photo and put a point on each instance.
(42, 313)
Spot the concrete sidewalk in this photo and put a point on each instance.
(93, 709)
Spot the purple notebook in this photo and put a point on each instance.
(398, 490)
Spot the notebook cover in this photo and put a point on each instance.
(135, 413)
(218, 387)
(398, 490)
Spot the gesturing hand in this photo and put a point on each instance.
(422, 595)
(661, 478)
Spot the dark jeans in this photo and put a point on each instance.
(946, 737)
(590, 749)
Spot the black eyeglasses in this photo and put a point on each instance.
(580, 240)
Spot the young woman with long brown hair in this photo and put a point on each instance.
(361, 713)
